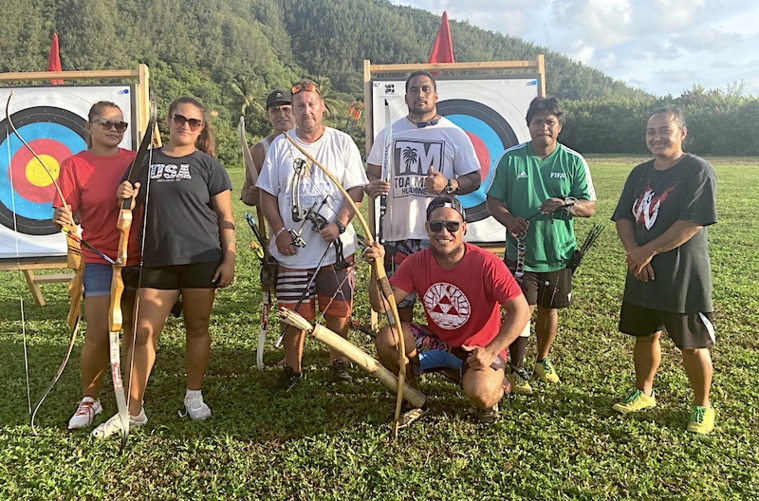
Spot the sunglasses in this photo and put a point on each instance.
(304, 86)
(422, 125)
(108, 124)
(193, 123)
(451, 226)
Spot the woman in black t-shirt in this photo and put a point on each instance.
(188, 248)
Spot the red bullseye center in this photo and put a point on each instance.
(483, 155)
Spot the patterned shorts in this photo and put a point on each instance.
(435, 355)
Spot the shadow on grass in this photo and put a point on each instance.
(235, 389)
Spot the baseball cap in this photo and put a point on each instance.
(278, 96)
(445, 201)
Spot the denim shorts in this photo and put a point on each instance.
(97, 279)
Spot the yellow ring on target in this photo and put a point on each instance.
(36, 174)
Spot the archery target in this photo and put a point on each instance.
(492, 113)
(52, 121)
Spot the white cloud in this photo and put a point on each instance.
(603, 23)
(662, 46)
(709, 39)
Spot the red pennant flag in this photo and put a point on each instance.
(442, 50)
(54, 59)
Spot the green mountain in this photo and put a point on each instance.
(229, 53)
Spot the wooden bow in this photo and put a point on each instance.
(73, 260)
(115, 315)
(378, 268)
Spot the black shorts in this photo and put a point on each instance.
(688, 331)
(183, 276)
(550, 289)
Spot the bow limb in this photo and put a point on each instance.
(115, 314)
(250, 166)
(247, 156)
(265, 291)
(378, 268)
(385, 172)
(73, 260)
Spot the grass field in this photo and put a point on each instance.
(334, 442)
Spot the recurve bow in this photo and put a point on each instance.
(378, 268)
(115, 315)
(264, 241)
(73, 260)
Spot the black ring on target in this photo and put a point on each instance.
(64, 131)
(493, 132)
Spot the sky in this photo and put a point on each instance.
(660, 46)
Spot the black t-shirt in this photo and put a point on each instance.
(181, 225)
(654, 200)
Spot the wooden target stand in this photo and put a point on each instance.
(471, 68)
(141, 77)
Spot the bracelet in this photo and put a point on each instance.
(276, 236)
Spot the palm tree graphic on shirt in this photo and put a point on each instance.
(410, 158)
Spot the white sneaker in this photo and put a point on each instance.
(195, 408)
(85, 413)
(113, 425)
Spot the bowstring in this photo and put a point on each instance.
(300, 175)
(18, 262)
(353, 267)
(135, 313)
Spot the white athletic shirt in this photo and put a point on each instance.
(444, 147)
(337, 152)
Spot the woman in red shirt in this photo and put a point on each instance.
(88, 181)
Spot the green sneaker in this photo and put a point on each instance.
(544, 370)
(702, 420)
(634, 402)
(519, 385)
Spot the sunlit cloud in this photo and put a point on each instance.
(662, 46)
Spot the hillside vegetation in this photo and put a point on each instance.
(229, 53)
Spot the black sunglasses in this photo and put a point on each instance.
(451, 226)
(108, 124)
(193, 123)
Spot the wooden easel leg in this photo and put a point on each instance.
(39, 299)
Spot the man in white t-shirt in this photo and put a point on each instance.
(312, 238)
(429, 156)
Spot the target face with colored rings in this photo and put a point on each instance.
(27, 191)
(490, 134)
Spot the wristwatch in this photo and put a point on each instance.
(340, 227)
(449, 189)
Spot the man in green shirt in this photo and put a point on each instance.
(538, 189)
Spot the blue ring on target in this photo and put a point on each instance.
(17, 212)
(495, 133)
